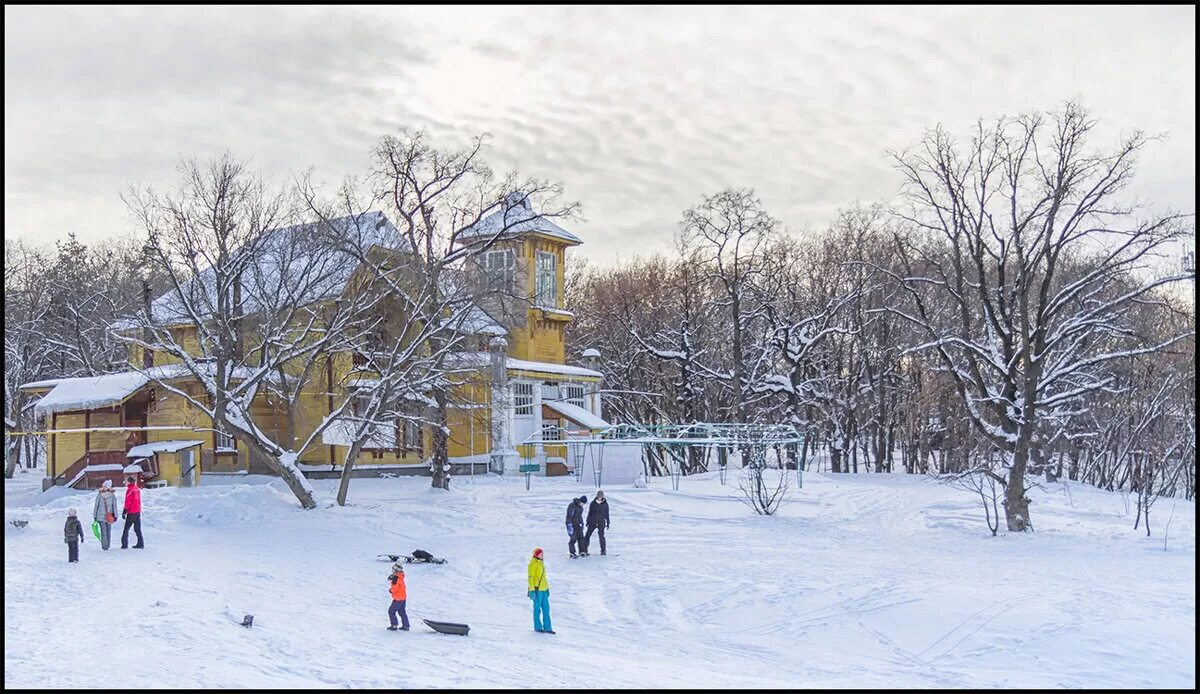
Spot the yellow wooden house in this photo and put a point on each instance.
(513, 385)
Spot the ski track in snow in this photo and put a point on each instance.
(862, 580)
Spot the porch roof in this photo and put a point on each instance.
(148, 449)
(576, 414)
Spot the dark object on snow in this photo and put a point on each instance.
(18, 523)
(422, 555)
(412, 559)
(248, 620)
(447, 627)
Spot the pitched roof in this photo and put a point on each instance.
(288, 260)
(515, 219)
(94, 392)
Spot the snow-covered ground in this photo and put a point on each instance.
(862, 581)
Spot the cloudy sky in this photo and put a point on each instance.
(637, 111)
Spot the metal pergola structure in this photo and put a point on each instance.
(581, 443)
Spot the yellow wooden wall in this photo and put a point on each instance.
(67, 447)
(540, 339)
(469, 418)
(106, 440)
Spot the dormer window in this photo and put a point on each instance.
(546, 286)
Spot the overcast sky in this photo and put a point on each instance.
(636, 111)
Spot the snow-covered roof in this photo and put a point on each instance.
(591, 352)
(480, 359)
(341, 433)
(287, 261)
(94, 392)
(89, 392)
(576, 414)
(132, 468)
(148, 449)
(477, 321)
(515, 219)
(547, 367)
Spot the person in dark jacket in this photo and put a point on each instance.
(575, 525)
(72, 535)
(597, 519)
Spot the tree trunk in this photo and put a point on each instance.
(347, 468)
(12, 455)
(1016, 504)
(441, 456)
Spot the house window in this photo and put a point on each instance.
(361, 400)
(523, 399)
(573, 392)
(225, 442)
(551, 430)
(501, 268)
(546, 286)
(412, 435)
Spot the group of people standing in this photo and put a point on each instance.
(596, 520)
(104, 513)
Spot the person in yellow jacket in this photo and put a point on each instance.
(539, 593)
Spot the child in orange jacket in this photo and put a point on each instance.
(399, 598)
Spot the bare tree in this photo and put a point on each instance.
(728, 234)
(449, 208)
(988, 272)
(250, 298)
(763, 495)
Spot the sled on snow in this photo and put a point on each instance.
(419, 556)
(447, 627)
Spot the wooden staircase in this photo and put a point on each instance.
(78, 475)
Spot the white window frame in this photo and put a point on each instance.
(412, 435)
(501, 269)
(522, 399)
(225, 441)
(552, 430)
(546, 280)
(575, 393)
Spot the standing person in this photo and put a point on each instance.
(399, 598)
(597, 519)
(539, 593)
(72, 535)
(575, 525)
(105, 512)
(132, 513)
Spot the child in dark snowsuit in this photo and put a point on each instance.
(399, 598)
(72, 535)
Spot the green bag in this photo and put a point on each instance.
(96, 529)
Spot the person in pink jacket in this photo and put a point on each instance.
(132, 513)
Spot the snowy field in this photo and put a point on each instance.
(862, 581)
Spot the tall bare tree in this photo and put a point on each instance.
(997, 227)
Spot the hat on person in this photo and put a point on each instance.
(537, 552)
(398, 568)
(107, 484)
(599, 494)
(582, 498)
(70, 512)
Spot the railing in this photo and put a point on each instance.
(76, 469)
